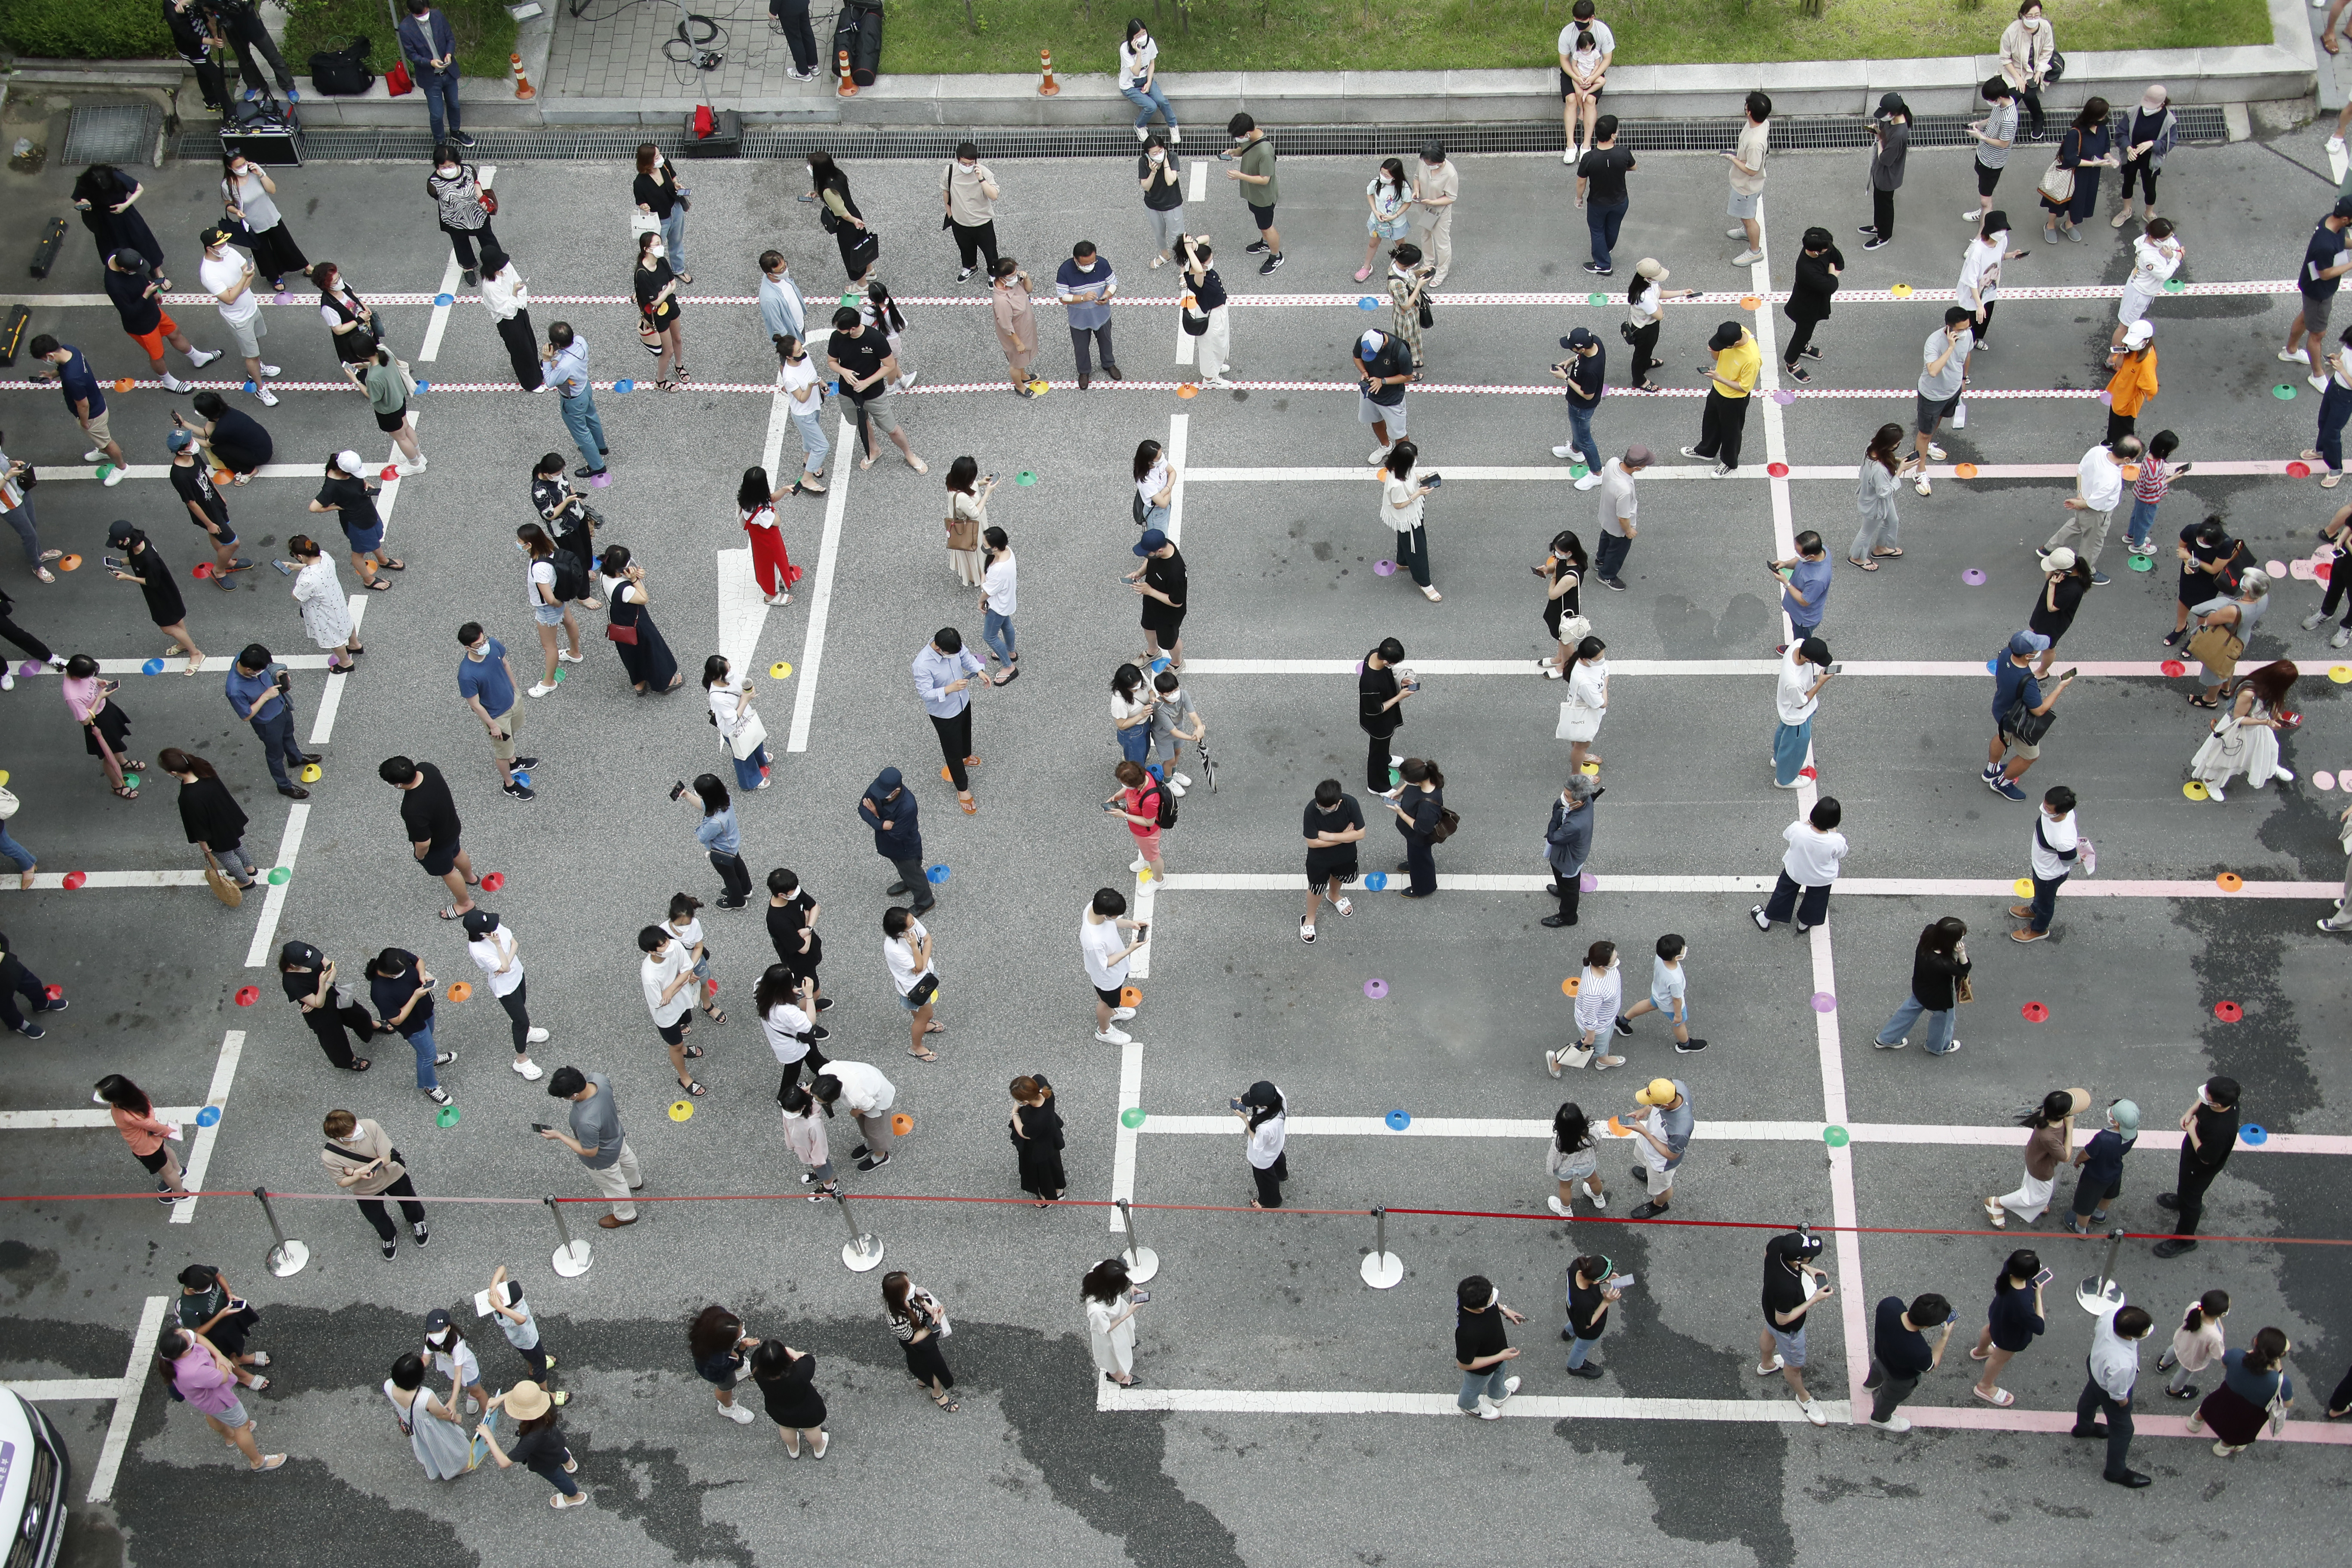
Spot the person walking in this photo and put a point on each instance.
(551, 580)
(1100, 927)
(771, 564)
(361, 1159)
(858, 354)
(430, 47)
(1160, 172)
(1794, 1287)
(1379, 694)
(507, 297)
(487, 685)
(788, 1395)
(1036, 1132)
(1260, 190)
(2246, 740)
(920, 1322)
(326, 609)
(1819, 264)
(402, 990)
(1138, 81)
(1901, 1354)
(2049, 1143)
(464, 208)
(2070, 191)
(1264, 1116)
(968, 496)
(136, 286)
(661, 330)
(192, 483)
(891, 809)
(1805, 668)
(2013, 1321)
(1940, 967)
(658, 195)
(2317, 282)
(493, 949)
(2157, 255)
(209, 814)
(2133, 382)
(597, 1138)
(105, 726)
(127, 1105)
(1402, 499)
(968, 193)
(1586, 372)
(1086, 284)
(1600, 192)
(1942, 382)
(1618, 505)
(1890, 130)
(2066, 584)
(2029, 52)
(2055, 851)
(1816, 854)
(2196, 1345)
(2114, 1368)
(331, 1010)
(1738, 358)
(2101, 1178)
(1437, 187)
(1644, 302)
(210, 1307)
(2019, 708)
(1996, 137)
(804, 1132)
(1419, 803)
(165, 607)
(202, 1375)
(536, 1443)
(944, 674)
(1587, 705)
(429, 814)
(84, 400)
(1662, 1122)
(1572, 1161)
(2255, 1388)
(867, 1095)
(228, 277)
(2210, 1129)
(1482, 1349)
(2153, 128)
(1016, 323)
(249, 204)
(721, 1348)
(720, 836)
(1111, 1302)
(1599, 992)
(860, 246)
(2224, 625)
(566, 356)
(1876, 483)
(906, 954)
(1804, 580)
(1568, 845)
(260, 690)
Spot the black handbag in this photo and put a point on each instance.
(2057, 68)
(1425, 319)
(1625, 330)
(924, 990)
(2025, 724)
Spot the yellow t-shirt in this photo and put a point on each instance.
(1739, 365)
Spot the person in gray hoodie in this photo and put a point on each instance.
(888, 808)
(1568, 844)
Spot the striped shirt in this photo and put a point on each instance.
(2155, 479)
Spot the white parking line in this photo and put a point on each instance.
(828, 556)
(1536, 1406)
(451, 276)
(1195, 191)
(126, 1401)
(200, 1148)
(1122, 1162)
(273, 903)
(1896, 1133)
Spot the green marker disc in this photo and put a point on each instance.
(1578, 470)
(2174, 285)
(1836, 1137)
(2143, 563)
(277, 875)
(1596, 299)
(445, 1117)
(1132, 1117)
(1025, 477)
(2284, 392)
(131, 781)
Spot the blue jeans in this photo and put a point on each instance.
(673, 233)
(996, 631)
(1604, 222)
(2143, 519)
(587, 430)
(1939, 1026)
(278, 744)
(1790, 743)
(1578, 1349)
(1579, 436)
(747, 769)
(2335, 408)
(1146, 99)
(1488, 1382)
(422, 1044)
(14, 851)
(28, 530)
(810, 423)
(440, 89)
(2045, 902)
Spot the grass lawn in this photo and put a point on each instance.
(485, 33)
(1348, 34)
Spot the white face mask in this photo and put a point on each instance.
(1157, 156)
(657, 249)
(449, 170)
(522, 546)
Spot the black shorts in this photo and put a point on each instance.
(155, 1161)
(226, 535)
(1165, 624)
(1340, 873)
(1986, 179)
(1932, 412)
(1568, 86)
(440, 860)
(1262, 216)
(389, 423)
(673, 1033)
(1109, 998)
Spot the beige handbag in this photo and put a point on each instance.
(215, 879)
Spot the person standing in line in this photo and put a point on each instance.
(16, 511)
(860, 246)
(1572, 1161)
(2321, 275)
(999, 593)
(2114, 1368)
(331, 1012)
(1333, 826)
(2066, 583)
(891, 809)
(209, 814)
(968, 193)
(1016, 324)
(2056, 850)
(792, 18)
(1600, 192)
(16, 981)
(720, 836)
(1036, 1128)
(1264, 1116)
(2102, 1166)
(2254, 1388)
(1805, 668)
(351, 321)
(233, 439)
(919, 1321)
(1891, 131)
(2028, 48)
(1820, 264)
(1644, 302)
(797, 378)
(385, 381)
(2049, 1143)
(1100, 929)
(486, 684)
(132, 1112)
(2236, 616)
(2157, 255)
(1669, 993)
(453, 1358)
(1086, 284)
(1580, 88)
(1737, 360)
(1111, 1302)
(2197, 1345)
(1980, 283)
(206, 1379)
(351, 498)
(1996, 136)
(228, 277)
(436, 1433)
(1175, 721)
(1384, 368)
(260, 690)
(1155, 485)
(458, 195)
(906, 954)
(192, 483)
(536, 1443)
(1876, 483)
(661, 330)
(1379, 694)
(1135, 803)
(84, 401)
(782, 311)
(431, 51)
(429, 814)
(859, 354)
(1138, 81)
(803, 1134)
(658, 194)
(1160, 172)
(596, 1137)
(1408, 276)
(788, 1395)
(249, 198)
(1804, 580)
(492, 948)
(1938, 964)
(1817, 852)
(867, 1095)
(1390, 217)
(1562, 570)
(742, 735)
(1585, 372)
(1482, 1350)
(105, 725)
(360, 1158)
(684, 925)
(521, 1328)
(1599, 990)
(2098, 491)
(107, 197)
(1746, 160)
(2015, 694)
(2151, 136)
(786, 1002)
(567, 372)
(771, 564)
(944, 673)
(2083, 152)
(721, 1348)
(2211, 1126)
(1259, 189)
(1618, 505)
(1568, 845)
(1901, 1355)
(1942, 382)
(1663, 1122)
(507, 297)
(136, 286)
(326, 609)
(2133, 382)
(1587, 704)
(1792, 1288)
(1437, 186)
(2335, 409)
(1400, 505)
(968, 496)
(549, 585)
(1419, 803)
(402, 990)
(2012, 1324)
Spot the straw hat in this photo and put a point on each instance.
(526, 1400)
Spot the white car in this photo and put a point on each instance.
(34, 1473)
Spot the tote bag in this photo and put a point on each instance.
(745, 742)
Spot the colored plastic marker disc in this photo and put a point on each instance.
(70, 563)
(390, 472)
(2034, 1012)
(2108, 398)
(1188, 389)
(1568, 987)
(1809, 772)
(2277, 569)
(459, 991)
(1617, 1129)
(312, 772)
(2143, 563)
(1964, 470)
(73, 879)
(223, 477)
(1377, 881)
(1132, 1117)
(1751, 301)
(1144, 875)
(2193, 790)
(1777, 470)
(1836, 1137)
(1398, 1121)
(901, 1123)
(1899, 290)
(33, 667)
(680, 1109)
(1586, 882)
(2323, 781)
(2339, 673)
(1383, 568)
(2174, 285)
(445, 299)
(1368, 303)
(1596, 299)
(131, 781)
(1973, 577)
(445, 1117)
(1824, 1002)
(210, 1115)
(1128, 996)
(626, 383)
(422, 386)
(2228, 1012)
(201, 569)
(56, 993)
(1590, 769)
(247, 995)
(935, 875)
(122, 383)
(2022, 887)
(2253, 1133)
(248, 388)
(1578, 470)
(522, 777)
(1025, 477)
(153, 667)
(494, 882)
(2230, 882)
(1376, 988)
(2284, 392)
(2298, 471)
(780, 670)
(2173, 666)
(1783, 396)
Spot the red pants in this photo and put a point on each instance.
(770, 565)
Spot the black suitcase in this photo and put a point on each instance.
(858, 34)
(261, 131)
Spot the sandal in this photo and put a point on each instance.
(935, 1027)
(260, 1358)
(715, 1015)
(693, 1053)
(391, 565)
(452, 912)
(377, 584)
(944, 1403)
(2000, 1397)
(1864, 565)
(923, 1056)
(257, 1384)
(692, 1086)
(126, 792)
(2202, 702)
(361, 1064)
(1885, 554)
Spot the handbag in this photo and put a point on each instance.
(2024, 724)
(8, 803)
(1574, 629)
(396, 82)
(1627, 330)
(1425, 319)
(924, 989)
(407, 381)
(615, 632)
(1449, 822)
(1193, 320)
(490, 201)
(1577, 722)
(963, 532)
(643, 223)
(1574, 1056)
(2057, 68)
(215, 879)
(1962, 991)
(2057, 183)
(2217, 648)
(747, 738)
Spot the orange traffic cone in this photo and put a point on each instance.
(1049, 86)
(522, 83)
(847, 89)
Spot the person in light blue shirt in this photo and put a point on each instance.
(566, 356)
(1805, 590)
(720, 838)
(780, 298)
(1669, 993)
(944, 673)
(257, 693)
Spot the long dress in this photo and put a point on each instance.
(1874, 500)
(114, 230)
(2233, 748)
(326, 612)
(1039, 1147)
(441, 1446)
(651, 667)
(1114, 1347)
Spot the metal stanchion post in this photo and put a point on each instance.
(862, 1250)
(1382, 1269)
(288, 1257)
(572, 1259)
(2101, 1292)
(1142, 1263)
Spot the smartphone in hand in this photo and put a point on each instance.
(1141, 1296)
(540, 1127)
(2044, 1278)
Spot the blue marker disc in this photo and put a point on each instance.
(2252, 1134)
(445, 299)
(208, 1117)
(1368, 303)
(249, 386)
(937, 875)
(153, 667)
(522, 777)
(1398, 1121)
(1989, 666)
(624, 385)
(1376, 881)
(423, 386)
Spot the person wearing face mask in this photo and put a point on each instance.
(797, 378)
(1138, 81)
(1016, 323)
(781, 308)
(659, 326)
(464, 208)
(1437, 185)
(249, 198)
(1208, 291)
(228, 278)
(1086, 285)
(507, 297)
(968, 192)
(1160, 172)
(657, 192)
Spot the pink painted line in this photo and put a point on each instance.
(2164, 1138)
(1986, 1418)
(2074, 887)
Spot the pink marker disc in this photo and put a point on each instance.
(1824, 1002)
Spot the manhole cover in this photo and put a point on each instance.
(112, 133)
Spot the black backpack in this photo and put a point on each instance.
(571, 575)
(1165, 813)
(343, 73)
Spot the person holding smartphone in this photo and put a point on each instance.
(1106, 960)
(2011, 1324)
(363, 1163)
(1792, 1288)
(1805, 668)
(1902, 1355)
(1264, 1115)
(1111, 1300)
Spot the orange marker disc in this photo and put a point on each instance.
(1569, 985)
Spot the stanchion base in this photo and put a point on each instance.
(289, 1258)
(572, 1259)
(2096, 1295)
(1382, 1270)
(1142, 1263)
(857, 1258)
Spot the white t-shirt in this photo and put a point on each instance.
(656, 972)
(1669, 984)
(462, 1368)
(899, 952)
(541, 572)
(1980, 270)
(1587, 684)
(486, 957)
(524, 1335)
(1266, 1140)
(1597, 28)
(689, 935)
(1646, 309)
(1101, 941)
(799, 378)
(1133, 64)
(2153, 262)
(998, 583)
(1796, 679)
(1812, 858)
(2060, 836)
(1152, 483)
(864, 1090)
(2102, 479)
(225, 273)
(1598, 997)
(1400, 505)
(1617, 505)
(783, 1021)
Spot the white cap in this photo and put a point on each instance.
(349, 461)
(2138, 334)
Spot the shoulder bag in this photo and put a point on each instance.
(2057, 68)
(224, 889)
(1193, 319)
(1449, 822)
(749, 737)
(963, 532)
(2057, 183)
(8, 805)
(924, 989)
(2026, 724)
(2217, 648)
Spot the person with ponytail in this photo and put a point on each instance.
(1419, 802)
(2011, 1324)
(2052, 1144)
(2255, 1387)
(2197, 1343)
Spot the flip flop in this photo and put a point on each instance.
(1864, 565)
(451, 913)
(361, 1064)
(924, 1056)
(377, 584)
(2000, 1396)
(692, 1052)
(692, 1086)
(391, 565)
(1885, 554)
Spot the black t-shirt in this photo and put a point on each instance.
(350, 498)
(1166, 575)
(543, 1450)
(1161, 196)
(1902, 1351)
(1423, 806)
(1478, 1334)
(650, 280)
(239, 434)
(1784, 1287)
(661, 195)
(1393, 357)
(1588, 1314)
(1586, 374)
(2209, 585)
(390, 993)
(2217, 1133)
(141, 311)
(427, 811)
(1338, 819)
(859, 357)
(785, 922)
(1604, 169)
(1209, 292)
(2318, 256)
(2054, 623)
(196, 487)
(1373, 689)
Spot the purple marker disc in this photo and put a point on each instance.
(1973, 577)
(1824, 1002)
(1376, 988)
(1384, 568)
(1783, 396)
(1586, 882)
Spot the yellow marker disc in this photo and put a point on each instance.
(1900, 291)
(780, 670)
(312, 772)
(2193, 790)
(1144, 875)
(2339, 673)
(3, 775)
(2022, 887)
(681, 1109)
(1591, 770)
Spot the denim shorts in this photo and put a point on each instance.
(547, 615)
(1790, 1347)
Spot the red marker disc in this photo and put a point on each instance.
(2298, 471)
(57, 993)
(201, 569)
(494, 882)
(1806, 773)
(391, 472)
(247, 995)
(73, 879)
(1777, 470)
(2228, 1012)
(2173, 666)
(2034, 1012)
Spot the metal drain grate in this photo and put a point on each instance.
(112, 133)
(2198, 122)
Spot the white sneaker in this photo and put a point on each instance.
(536, 1037)
(2311, 622)
(269, 369)
(1510, 1387)
(1379, 456)
(1590, 481)
(2318, 382)
(541, 689)
(2295, 356)
(1769, 1370)
(1216, 381)
(1813, 1412)
(1974, 215)
(1178, 788)
(567, 657)
(737, 1414)
(1184, 779)
(2343, 634)
(1563, 451)
(2335, 143)
(1138, 864)
(2213, 791)
(1600, 1200)
(1482, 1410)
(267, 398)
(1114, 1036)
(1120, 1014)
(1560, 1208)
(1569, 156)
(1551, 1063)
(1935, 453)
(1890, 1044)
(905, 380)
(2287, 774)
(96, 455)
(1892, 1423)
(528, 1070)
(1748, 257)
(1142, 134)
(114, 476)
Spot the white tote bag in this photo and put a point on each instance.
(1577, 722)
(747, 738)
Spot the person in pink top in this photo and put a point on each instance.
(134, 1118)
(208, 1381)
